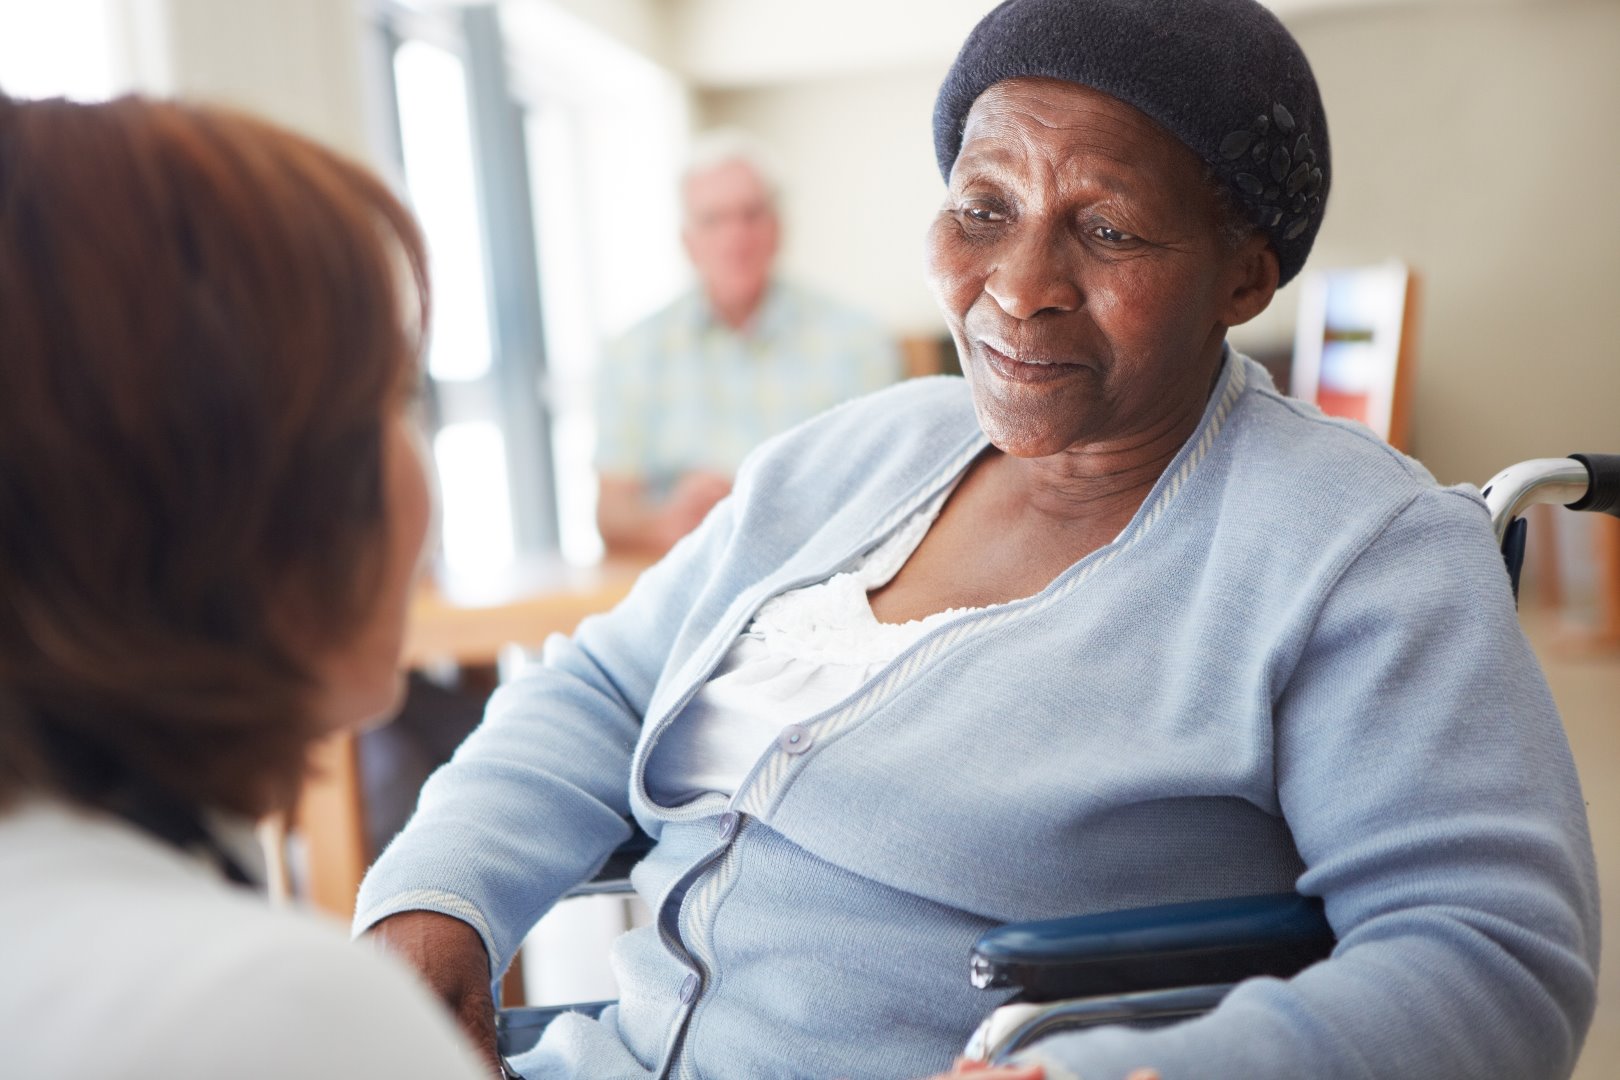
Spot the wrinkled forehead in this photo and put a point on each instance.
(1224, 75)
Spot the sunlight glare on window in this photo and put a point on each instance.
(63, 48)
(436, 137)
(571, 334)
(477, 512)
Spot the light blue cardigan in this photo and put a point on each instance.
(1297, 667)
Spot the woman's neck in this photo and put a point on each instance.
(1106, 479)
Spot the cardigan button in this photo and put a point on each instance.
(689, 989)
(794, 739)
(728, 824)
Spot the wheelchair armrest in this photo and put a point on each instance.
(614, 877)
(518, 1029)
(1155, 948)
(625, 856)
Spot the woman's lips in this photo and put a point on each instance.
(1023, 371)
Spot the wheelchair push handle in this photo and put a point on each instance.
(1580, 482)
(1603, 484)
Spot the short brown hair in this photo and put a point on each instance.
(203, 321)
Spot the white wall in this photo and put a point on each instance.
(1480, 143)
(295, 61)
(740, 43)
(642, 25)
(861, 186)
(1475, 140)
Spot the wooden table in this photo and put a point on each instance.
(467, 627)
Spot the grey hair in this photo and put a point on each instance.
(722, 146)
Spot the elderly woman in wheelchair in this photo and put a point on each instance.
(1107, 624)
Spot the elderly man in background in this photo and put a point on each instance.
(736, 359)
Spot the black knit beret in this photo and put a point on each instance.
(1223, 76)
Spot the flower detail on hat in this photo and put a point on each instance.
(1279, 176)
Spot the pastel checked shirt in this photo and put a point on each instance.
(684, 391)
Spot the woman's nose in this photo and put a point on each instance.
(1035, 275)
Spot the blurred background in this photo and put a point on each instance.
(540, 141)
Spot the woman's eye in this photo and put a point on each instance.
(981, 213)
(1110, 235)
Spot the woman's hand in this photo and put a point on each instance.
(981, 1071)
(450, 956)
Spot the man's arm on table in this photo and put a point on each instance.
(632, 522)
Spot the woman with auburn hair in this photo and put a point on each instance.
(212, 508)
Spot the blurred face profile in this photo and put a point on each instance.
(731, 233)
(363, 682)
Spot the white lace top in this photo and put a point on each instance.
(805, 651)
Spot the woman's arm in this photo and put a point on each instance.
(1425, 776)
(537, 797)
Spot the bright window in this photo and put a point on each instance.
(60, 48)
(605, 130)
(471, 459)
(436, 137)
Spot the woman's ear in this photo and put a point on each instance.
(1253, 280)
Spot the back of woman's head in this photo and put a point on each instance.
(203, 322)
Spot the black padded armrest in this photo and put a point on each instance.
(1157, 948)
(614, 877)
(625, 856)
